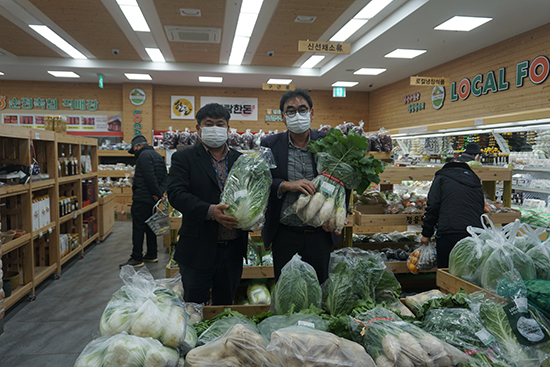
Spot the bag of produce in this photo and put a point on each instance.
(247, 189)
(392, 342)
(297, 288)
(423, 258)
(540, 255)
(220, 327)
(258, 294)
(240, 346)
(123, 350)
(274, 323)
(467, 257)
(530, 238)
(415, 303)
(538, 294)
(142, 308)
(302, 346)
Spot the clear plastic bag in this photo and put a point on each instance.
(126, 350)
(325, 128)
(234, 138)
(274, 323)
(247, 140)
(194, 311)
(247, 190)
(302, 346)
(220, 327)
(174, 283)
(415, 303)
(183, 137)
(142, 308)
(423, 258)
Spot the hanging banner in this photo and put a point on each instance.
(430, 81)
(240, 109)
(183, 107)
(324, 47)
(75, 123)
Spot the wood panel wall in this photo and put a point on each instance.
(387, 109)
(327, 110)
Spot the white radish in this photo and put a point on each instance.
(391, 347)
(313, 207)
(412, 348)
(340, 217)
(302, 201)
(326, 210)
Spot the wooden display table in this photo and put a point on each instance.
(106, 216)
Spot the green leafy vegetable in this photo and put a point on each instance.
(541, 259)
(339, 294)
(466, 258)
(538, 293)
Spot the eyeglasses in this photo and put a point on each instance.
(302, 111)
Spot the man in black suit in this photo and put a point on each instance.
(210, 250)
(286, 234)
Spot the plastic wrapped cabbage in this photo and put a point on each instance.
(297, 288)
(247, 189)
(258, 294)
(274, 323)
(541, 259)
(467, 257)
(128, 351)
(142, 308)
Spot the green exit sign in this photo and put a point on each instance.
(338, 92)
(100, 81)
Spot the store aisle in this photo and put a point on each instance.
(55, 328)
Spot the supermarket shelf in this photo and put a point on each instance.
(87, 176)
(89, 207)
(91, 239)
(115, 173)
(68, 217)
(541, 191)
(44, 184)
(16, 243)
(70, 255)
(43, 230)
(532, 169)
(13, 190)
(67, 179)
(396, 175)
(16, 295)
(400, 267)
(42, 272)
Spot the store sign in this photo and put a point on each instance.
(240, 109)
(537, 71)
(324, 47)
(278, 87)
(183, 107)
(414, 107)
(75, 123)
(137, 122)
(427, 81)
(272, 115)
(137, 96)
(438, 97)
(51, 104)
(338, 92)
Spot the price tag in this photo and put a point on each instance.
(310, 325)
(37, 136)
(240, 195)
(485, 337)
(40, 235)
(328, 188)
(521, 304)
(74, 215)
(50, 230)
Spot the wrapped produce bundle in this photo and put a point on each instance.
(142, 308)
(303, 346)
(239, 346)
(127, 350)
(220, 328)
(274, 323)
(247, 189)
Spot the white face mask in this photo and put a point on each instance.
(298, 124)
(214, 136)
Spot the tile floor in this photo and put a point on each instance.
(55, 328)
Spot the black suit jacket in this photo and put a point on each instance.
(192, 188)
(278, 144)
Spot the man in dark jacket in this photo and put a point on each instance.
(471, 153)
(150, 179)
(455, 201)
(287, 234)
(210, 250)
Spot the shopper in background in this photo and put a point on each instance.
(210, 250)
(472, 153)
(150, 179)
(455, 201)
(286, 234)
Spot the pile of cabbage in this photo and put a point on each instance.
(494, 254)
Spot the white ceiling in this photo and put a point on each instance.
(403, 24)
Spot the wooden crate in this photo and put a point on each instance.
(255, 272)
(209, 312)
(452, 284)
(503, 218)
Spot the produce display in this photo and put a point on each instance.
(401, 201)
(274, 323)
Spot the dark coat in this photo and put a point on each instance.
(464, 158)
(150, 177)
(455, 201)
(192, 188)
(278, 144)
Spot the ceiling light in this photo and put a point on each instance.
(346, 31)
(279, 81)
(1, 73)
(132, 76)
(238, 50)
(251, 6)
(51, 36)
(402, 53)
(305, 19)
(210, 79)
(372, 8)
(369, 71)
(245, 25)
(345, 84)
(155, 54)
(312, 61)
(64, 74)
(462, 24)
(133, 14)
(190, 12)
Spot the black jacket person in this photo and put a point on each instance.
(455, 201)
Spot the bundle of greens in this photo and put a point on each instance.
(247, 189)
(540, 255)
(538, 294)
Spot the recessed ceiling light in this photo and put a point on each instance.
(132, 76)
(369, 71)
(210, 79)
(155, 54)
(305, 19)
(312, 61)
(64, 74)
(190, 12)
(245, 25)
(133, 14)
(462, 24)
(372, 8)
(54, 38)
(279, 81)
(1, 73)
(346, 31)
(345, 84)
(402, 53)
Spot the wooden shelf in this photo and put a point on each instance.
(42, 272)
(70, 255)
(44, 184)
(106, 199)
(16, 243)
(175, 222)
(115, 173)
(13, 190)
(69, 216)
(68, 179)
(87, 176)
(400, 267)
(43, 230)
(17, 294)
(256, 272)
(91, 239)
(89, 207)
(396, 175)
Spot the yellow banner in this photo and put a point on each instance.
(324, 47)
(430, 81)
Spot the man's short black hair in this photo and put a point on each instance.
(295, 93)
(212, 110)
